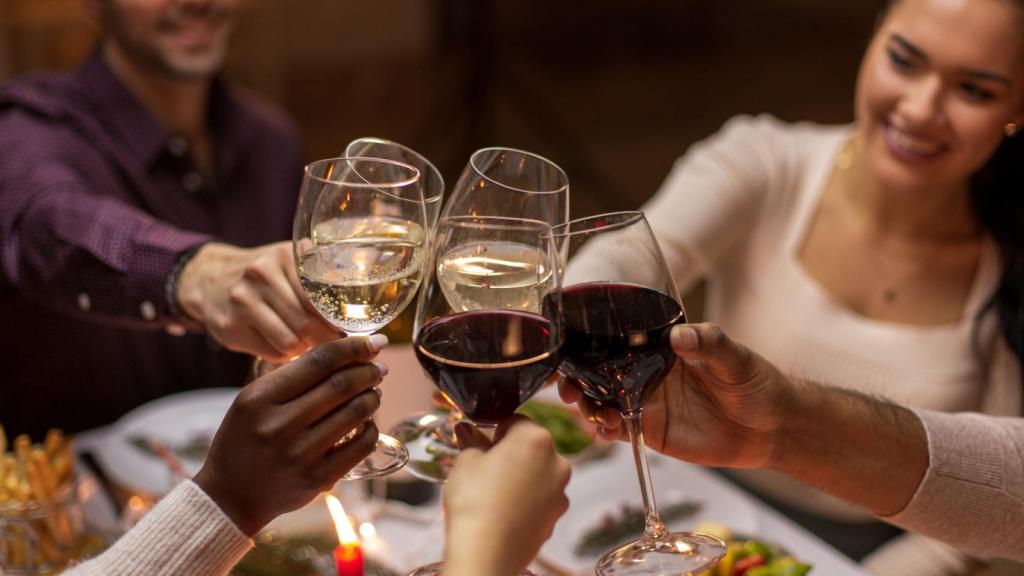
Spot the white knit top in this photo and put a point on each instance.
(735, 210)
(186, 533)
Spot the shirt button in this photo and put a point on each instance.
(177, 146)
(84, 302)
(147, 310)
(192, 182)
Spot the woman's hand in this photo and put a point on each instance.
(275, 450)
(722, 405)
(502, 501)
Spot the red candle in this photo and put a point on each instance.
(348, 556)
(349, 559)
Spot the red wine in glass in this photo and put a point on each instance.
(617, 340)
(488, 362)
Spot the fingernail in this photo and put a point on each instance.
(684, 338)
(378, 342)
(382, 367)
(380, 393)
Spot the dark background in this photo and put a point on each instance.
(613, 91)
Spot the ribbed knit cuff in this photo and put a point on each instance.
(963, 497)
(186, 533)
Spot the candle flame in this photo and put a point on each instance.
(346, 535)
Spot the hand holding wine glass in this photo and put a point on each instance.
(502, 501)
(617, 349)
(359, 238)
(724, 407)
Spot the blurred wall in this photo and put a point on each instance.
(612, 91)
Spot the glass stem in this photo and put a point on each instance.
(653, 528)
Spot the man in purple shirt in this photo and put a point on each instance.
(128, 191)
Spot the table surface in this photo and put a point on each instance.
(410, 536)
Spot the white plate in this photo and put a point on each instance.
(604, 486)
(172, 421)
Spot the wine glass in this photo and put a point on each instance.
(495, 182)
(359, 238)
(489, 351)
(617, 349)
(433, 182)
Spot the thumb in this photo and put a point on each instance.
(708, 344)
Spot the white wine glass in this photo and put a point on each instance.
(430, 177)
(360, 237)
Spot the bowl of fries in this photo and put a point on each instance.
(41, 519)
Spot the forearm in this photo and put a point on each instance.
(185, 534)
(90, 255)
(862, 449)
(466, 554)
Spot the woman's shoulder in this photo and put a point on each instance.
(768, 129)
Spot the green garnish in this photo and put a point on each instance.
(309, 555)
(629, 523)
(570, 437)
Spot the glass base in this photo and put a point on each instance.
(675, 554)
(436, 569)
(431, 442)
(387, 457)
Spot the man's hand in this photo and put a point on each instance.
(275, 450)
(722, 405)
(250, 300)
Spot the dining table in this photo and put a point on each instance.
(403, 536)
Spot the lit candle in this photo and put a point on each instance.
(348, 556)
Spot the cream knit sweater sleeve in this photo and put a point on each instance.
(972, 495)
(186, 533)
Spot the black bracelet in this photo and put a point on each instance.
(174, 308)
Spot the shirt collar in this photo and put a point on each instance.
(120, 110)
(144, 135)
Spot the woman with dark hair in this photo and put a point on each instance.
(885, 256)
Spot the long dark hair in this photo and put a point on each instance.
(997, 195)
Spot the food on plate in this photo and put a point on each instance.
(195, 448)
(563, 423)
(297, 555)
(627, 523)
(747, 556)
(37, 501)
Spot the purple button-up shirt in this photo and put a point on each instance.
(97, 202)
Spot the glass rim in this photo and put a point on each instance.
(510, 223)
(389, 185)
(622, 219)
(376, 140)
(565, 177)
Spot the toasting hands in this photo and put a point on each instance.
(275, 450)
(502, 501)
(250, 300)
(722, 404)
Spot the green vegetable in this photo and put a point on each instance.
(563, 424)
(613, 530)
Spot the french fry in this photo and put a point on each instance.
(49, 549)
(23, 448)
(54, 442)
(3, 440)
(62, 468)
(46, 475)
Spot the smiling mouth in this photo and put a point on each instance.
(908, 145)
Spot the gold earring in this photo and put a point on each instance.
(1011, 130)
